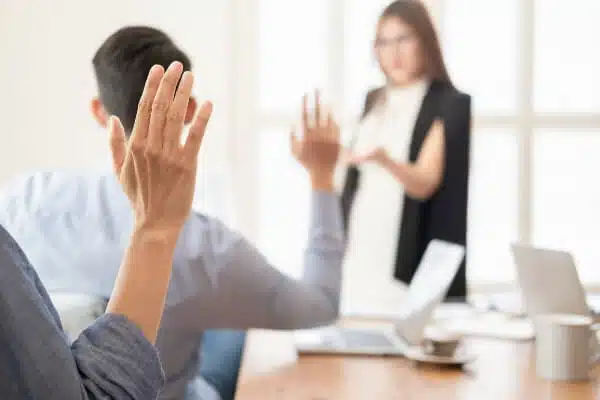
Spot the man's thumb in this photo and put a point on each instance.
(294, 142)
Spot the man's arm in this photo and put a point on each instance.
(113, 358)
(157, 173)
(244, 290)
(247, 292)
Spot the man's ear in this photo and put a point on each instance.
(99, 112)
(191, 110)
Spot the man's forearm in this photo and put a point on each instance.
(143, 280)
(265, 297)
(324, 256)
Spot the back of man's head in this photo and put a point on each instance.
(121, 66)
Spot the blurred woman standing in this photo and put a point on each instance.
(407, 178)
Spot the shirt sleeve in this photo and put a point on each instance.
(116, 361)
(243, 290)
(111, 359)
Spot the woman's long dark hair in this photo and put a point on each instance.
(414, 14)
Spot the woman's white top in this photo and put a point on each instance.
(368, 283)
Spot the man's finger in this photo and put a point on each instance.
(307, 126)
(118, 144)
(308, 118)
(196, 134)
(333, 128)
(318, 121)
(162, 103)
(177, 112)
(142, 119)
(329, 123)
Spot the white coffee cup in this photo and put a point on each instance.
(565, 345)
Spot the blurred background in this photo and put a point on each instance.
(531, 67)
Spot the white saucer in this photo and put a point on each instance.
(418, 354)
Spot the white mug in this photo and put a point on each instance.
(565, 346)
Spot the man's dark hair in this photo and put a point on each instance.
(122, 63)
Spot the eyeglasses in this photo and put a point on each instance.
(382, 43)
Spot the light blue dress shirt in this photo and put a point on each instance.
(74, 227)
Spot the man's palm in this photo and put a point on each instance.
(156, 171)
(319, 148)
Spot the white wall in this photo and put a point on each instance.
(46, 77)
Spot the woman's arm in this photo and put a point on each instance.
(447, 139)
(422, 178)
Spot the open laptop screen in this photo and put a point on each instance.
(435, 273)
(549, 281)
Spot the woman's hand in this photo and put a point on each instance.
(420, 179)
(377, 155)
(156, 171)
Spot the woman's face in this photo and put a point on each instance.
(398, 51)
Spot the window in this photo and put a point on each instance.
(283, 201)
(360, 70)
(293, 59)
(566, 59)
(529, 66)
(492, 215)
(481, 48)
(480, 45)
(566, 196)
(524, 67)
(292, 52)
(565, 192)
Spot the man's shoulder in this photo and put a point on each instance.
(51, 192)
(46, 179)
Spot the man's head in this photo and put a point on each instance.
(121, 66)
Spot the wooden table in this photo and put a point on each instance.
(504, 370)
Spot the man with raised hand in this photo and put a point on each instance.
(114, 358)
(75, 226)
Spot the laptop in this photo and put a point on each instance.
(549, 282)
(427, 290)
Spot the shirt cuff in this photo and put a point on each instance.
(326, 212)
(116, 359)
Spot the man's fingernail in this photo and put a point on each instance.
(175, 65)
